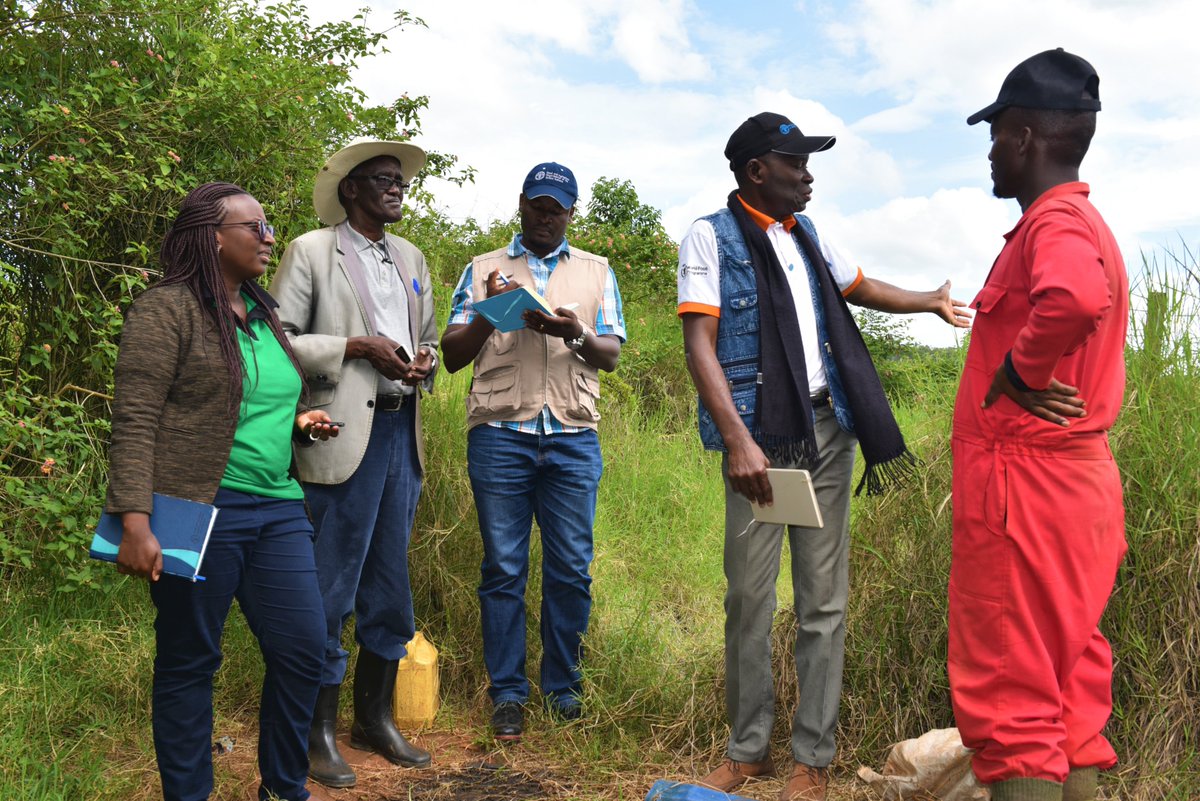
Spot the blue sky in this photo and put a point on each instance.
(649, 90)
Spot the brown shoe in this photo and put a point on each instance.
(733, 774)
(806, 784)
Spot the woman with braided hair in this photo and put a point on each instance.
(207, 408)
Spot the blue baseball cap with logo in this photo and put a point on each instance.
(551, 179)
(768, 132)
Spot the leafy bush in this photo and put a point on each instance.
(112, 110)
(629, 233)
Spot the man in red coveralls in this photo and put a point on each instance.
(1039, 524)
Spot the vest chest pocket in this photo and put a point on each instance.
(502, 343)
(494, 391)
(740, 315)
(587, 392)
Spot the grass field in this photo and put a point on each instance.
(75, 670)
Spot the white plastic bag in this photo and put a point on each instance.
(935, 765)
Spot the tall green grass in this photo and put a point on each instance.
(896, 681)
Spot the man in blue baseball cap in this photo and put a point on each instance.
(532, 447)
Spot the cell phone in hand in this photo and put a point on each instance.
(337, 423)
(402, 354)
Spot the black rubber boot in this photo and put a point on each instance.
(374, 729)
(325, 763)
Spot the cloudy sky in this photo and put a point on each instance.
(649, 90)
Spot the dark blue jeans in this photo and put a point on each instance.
(517, 477)
(261, 553)
(363, 527)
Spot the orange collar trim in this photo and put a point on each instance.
(763, 221)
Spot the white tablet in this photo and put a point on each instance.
(795, 501)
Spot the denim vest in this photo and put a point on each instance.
(737, 330)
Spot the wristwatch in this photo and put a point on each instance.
(577, 342)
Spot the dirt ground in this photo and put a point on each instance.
(467, 769)
(461, 770)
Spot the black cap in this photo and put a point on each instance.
(771, 133)
(1054, 79)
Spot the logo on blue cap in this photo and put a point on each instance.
(554, 180)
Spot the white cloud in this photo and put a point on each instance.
(650, 35)
(919, 242)
(649, 91)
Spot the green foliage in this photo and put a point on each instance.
(630, 234)
(616, 204)
(886, 335)
(111, 111)
(907, 369)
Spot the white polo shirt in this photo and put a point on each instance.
(699, 280)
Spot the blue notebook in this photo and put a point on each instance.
(182, 528)
(504, 310)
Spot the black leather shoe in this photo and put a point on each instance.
(374, 729)
(325, 763)
(508, 718)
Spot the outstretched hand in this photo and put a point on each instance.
(1055, 403)
(952, 311)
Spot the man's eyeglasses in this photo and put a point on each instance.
(261, 228)
(384, 183)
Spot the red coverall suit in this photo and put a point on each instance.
(1039, 524)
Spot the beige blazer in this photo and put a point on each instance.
(321, 305)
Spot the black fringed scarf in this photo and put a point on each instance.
(781, 432)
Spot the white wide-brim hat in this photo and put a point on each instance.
(325, 189)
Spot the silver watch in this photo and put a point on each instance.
(577, 342)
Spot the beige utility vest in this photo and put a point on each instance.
(518, 373)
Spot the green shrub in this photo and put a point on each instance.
(112, 111)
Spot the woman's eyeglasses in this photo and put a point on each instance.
(261, 228)
(384, 183)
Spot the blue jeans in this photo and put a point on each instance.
(517, 477)
(261, 553)
(363, 527)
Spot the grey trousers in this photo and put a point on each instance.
(820, 580)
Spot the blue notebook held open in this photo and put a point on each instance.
(182, 528)
(504, 310)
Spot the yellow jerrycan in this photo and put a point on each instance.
(415, 701)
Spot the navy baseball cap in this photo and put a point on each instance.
(551, 179)
(771, 133)
(1053, 79)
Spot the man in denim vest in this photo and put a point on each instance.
(784, 380)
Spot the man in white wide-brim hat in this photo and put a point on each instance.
(357, 304)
